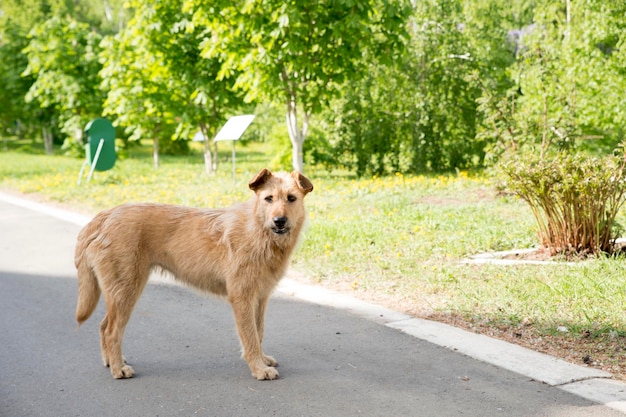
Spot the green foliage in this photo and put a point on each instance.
(390, 86)
(17, 18)
(318, 150)
(279, 147)
(103, 16)
(42, 30)
(369, 123)
(136, 87)
(574, 199)
(567, 80)
(63, 60)
(421, 114)
(13, 86)
(168, 146)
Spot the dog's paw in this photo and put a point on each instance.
(124, 372)
(265, 373)
(269, 361)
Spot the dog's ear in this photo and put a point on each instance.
(303, 182)
(259, 179)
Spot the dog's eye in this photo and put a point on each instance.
(291, 198)
(269, 198)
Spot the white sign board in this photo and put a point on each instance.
(234, 127)
(198, 137)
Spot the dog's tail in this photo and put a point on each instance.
(88, 288)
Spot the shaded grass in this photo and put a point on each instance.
(396, 239)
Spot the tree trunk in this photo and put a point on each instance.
(214, 167)
(297, 135)
(210, 166)
(297, 154)
(208, 158)
(210, 161)
(155, 151)
(78, 136)
(47, 140)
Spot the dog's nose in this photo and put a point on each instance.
(280, 222)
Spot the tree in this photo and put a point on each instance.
(18, 19)
(441, 60)
(157, 81)
(63, 59)
(297, 52)
(421, 114)
(566, 81)
(13, 86)
(138, 87)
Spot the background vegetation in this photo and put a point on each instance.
(376, 87)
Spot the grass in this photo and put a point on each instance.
(397, 240)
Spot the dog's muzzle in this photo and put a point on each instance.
(280, 225)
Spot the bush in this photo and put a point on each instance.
(174, 147)
(574, 199)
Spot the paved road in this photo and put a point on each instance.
(185, 351)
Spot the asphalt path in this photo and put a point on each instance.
(185, 352)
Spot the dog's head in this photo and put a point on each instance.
(280, 200)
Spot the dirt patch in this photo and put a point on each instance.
(540, 254)
(543, 254)
(471, 198)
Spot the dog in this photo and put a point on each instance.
(240, 253)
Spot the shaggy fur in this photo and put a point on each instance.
(239, 252)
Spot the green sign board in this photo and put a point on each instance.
(101, 135)
(100, 147)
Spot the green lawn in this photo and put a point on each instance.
(398, 240)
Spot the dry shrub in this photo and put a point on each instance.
(574, 198)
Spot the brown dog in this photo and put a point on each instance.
(239, 252)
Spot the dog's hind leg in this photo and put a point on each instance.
(103, 346)
(112, 334)
(120, 298)
(245, 310)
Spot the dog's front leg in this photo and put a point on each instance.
(245, 312)
(260, 327)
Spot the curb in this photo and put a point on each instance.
(589, 383)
